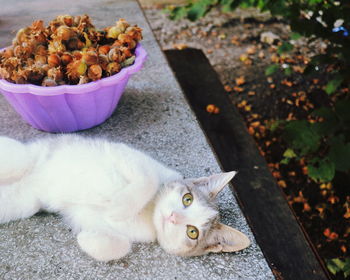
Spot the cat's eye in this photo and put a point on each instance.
(187, 199)
(192, 232)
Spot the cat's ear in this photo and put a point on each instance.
(224, 238)
(213, 184)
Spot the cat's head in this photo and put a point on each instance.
(187, 220)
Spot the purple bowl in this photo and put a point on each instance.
(69, 108)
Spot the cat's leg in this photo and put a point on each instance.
(103, 247)
(15, 160)
(17, 202)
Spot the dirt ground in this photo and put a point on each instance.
(233, 45)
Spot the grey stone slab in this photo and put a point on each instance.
(152, 116)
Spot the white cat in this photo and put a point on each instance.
(113, 195)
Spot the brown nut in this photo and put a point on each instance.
(104, 49)
(40, 59)
(90, 58)
(95, 72)
(113, 68)
(64, 32)
(53, 60)
(66, 58)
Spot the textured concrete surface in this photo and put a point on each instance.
(153, 116)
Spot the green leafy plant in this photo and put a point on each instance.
(337, 265)
(324, 143)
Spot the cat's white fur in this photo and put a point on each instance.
(112, 195)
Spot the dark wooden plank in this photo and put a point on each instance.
(276, 229)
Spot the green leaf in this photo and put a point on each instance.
(332, 267)
(346, 268)
(315, 1)
(302, 136)
(271, 69)
(322, 170)
(295, 36)
(289, 153)
(197, 11)
(323, 112)
(342, 108)
(339, 153)
(176, 13)
(333, 85)
(229, 5)
(285, 47)
(330, 122)
(337, 265)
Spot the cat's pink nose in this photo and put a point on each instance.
(174, 218)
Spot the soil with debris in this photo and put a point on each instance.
(240, 50)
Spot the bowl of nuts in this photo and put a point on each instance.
(69, 76)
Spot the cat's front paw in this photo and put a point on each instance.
(103, 247)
